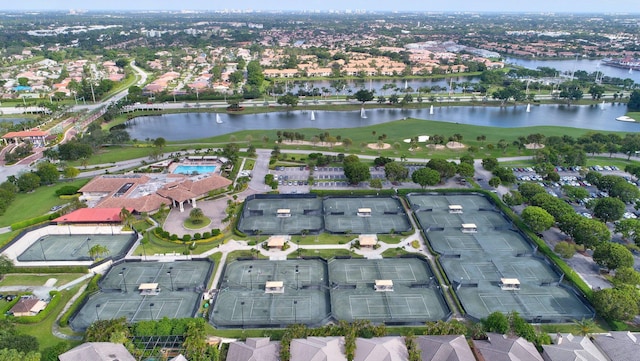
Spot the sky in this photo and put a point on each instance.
(597, 6)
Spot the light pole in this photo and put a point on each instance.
(151, 311)
(88, 248)
(170, 277)
(250, 279)
(297, 272)
(242, 313)
(124, 282)
(42, 248)
(295, 311)
(97, 314)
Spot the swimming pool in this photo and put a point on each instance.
(194, 169)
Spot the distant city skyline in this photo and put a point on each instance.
(584, 6)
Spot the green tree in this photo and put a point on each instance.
(612, 255)
(537, 219)
(395, 171)
(375, 183)
(625, 191)
(445, 168)
(565, 249)
(575, 193)
(627, 276)
(496, 322)
(195, 341)
(495, 182)
(530, 189)
(98, 250)
(289, 100)
(51, 353)
(489, 163)
(609, 209)
(425, 177)
(616, 304)
(585, 326)
(356, 172)
(70, 172)
(6, 265)
(13, 355)
(364, 95)
(465, 170)
(28, 182)
(159, 142)
(48, 173)
(196, 216)
(634, 101)
(629, 228)
(101, 331)
(590, 232)
(255, 76)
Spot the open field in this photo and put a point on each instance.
(22, 279)
(38, 202)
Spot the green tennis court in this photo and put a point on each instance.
(174, 290)
(76, 247)
(475, 262)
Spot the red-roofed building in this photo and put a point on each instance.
(92, 216)
(35, 136)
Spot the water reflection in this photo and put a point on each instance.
(200, 125)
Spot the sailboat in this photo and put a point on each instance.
(431, 109)
(363, 115)
(602, 105)
(313, 115)
(218, 120)
(406, 85)
(630, 70)
(528, 108)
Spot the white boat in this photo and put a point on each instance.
(431, 109)
(218, 120)
(602, 106)
(625, 118)
(528, 108)
(363, 115)
(313, 115)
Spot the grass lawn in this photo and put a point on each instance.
(28, 279)
(36, 203)
(42, 330)
(390, 239)
(324, 253)
(620, 163)
(160, 246)
(249, 164)
(322, 238)
(634, 115)
(6, 237)
(395, 252)
(189, 224)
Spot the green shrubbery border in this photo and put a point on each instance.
(31, 221)
(92, 287)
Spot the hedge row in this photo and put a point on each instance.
(55, 300)
(52, 269)
(205, 237)
(36, 220)
(92, 287)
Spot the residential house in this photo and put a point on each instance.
(98, 351)
(619, 346)
(381, 349)
(567, 347)
(318, 349)
(444, 348)
(27, 306)
(254, 349)
(499, 347)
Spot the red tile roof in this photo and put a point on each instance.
(92, 215)
(26, 133)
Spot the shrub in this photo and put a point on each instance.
(186, 238)
(197, 236)
(206, 235)
(36, 220)
(67, 190)
(215, 232)
(174, 237)
(565, 249)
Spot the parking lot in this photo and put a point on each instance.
(296, 179)
(583, 264)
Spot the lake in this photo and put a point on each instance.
(185, 126)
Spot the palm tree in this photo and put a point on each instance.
(98, 250)
(585, 326)
(196, 215)
(126, 217)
